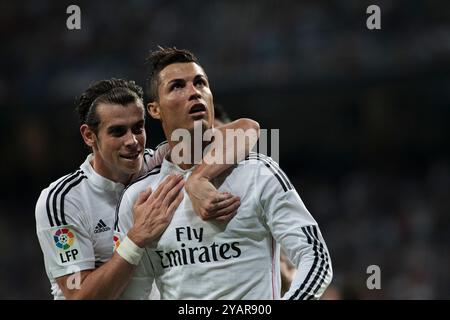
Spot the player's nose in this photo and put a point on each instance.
(193, 91)
(131, 139)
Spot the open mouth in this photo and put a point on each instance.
(198, 108)
(130, 156)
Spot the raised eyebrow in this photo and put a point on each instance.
(201, 76)
(197, 77)
(175, 80)
(120, 126)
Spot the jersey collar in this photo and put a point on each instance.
(168, 167)
(98, 180)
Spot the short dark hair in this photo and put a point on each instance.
(114, 91)
(158, 60)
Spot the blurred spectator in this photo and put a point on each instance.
(363, 118)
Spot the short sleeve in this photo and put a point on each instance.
(154, 158)
(66, 245)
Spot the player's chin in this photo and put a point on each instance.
(203, 122)
(132, 165)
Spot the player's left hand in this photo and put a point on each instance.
(208, 202)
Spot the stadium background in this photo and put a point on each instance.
(363, 118)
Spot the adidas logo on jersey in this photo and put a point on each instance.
(101, 227)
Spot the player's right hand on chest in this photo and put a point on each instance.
(153, 211)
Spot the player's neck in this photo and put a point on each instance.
(186, 155)
(110, 174)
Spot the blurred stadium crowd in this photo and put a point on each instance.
(363, 118)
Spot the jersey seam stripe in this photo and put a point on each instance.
(47, 205)
(267, 165)
(301, 295)
(323, 277)
(313, 267)
(161, 144)
(151, 172)
(55, 196)
(149, 152)
(307, 294)
(63, 195)
(327, 260)
(49, 214)
(277, 167)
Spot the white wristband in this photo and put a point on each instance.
(130, 251)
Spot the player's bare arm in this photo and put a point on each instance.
(153, 211)
(207, 201)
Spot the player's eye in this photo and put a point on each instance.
(138, 129)
(200, 82)
(176, 85)
(117, 131)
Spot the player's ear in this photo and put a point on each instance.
(154, 110)
(88, 135)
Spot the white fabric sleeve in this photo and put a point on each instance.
(155, 157)
(140, 285)
(67, 247)
(296, 231)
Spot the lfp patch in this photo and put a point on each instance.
(64, 238)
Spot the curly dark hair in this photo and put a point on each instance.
(114, 91)
(158, 60)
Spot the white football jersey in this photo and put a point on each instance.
(75, 219)
(239, 259)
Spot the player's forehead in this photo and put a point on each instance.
(183, 70)
(115, 114)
